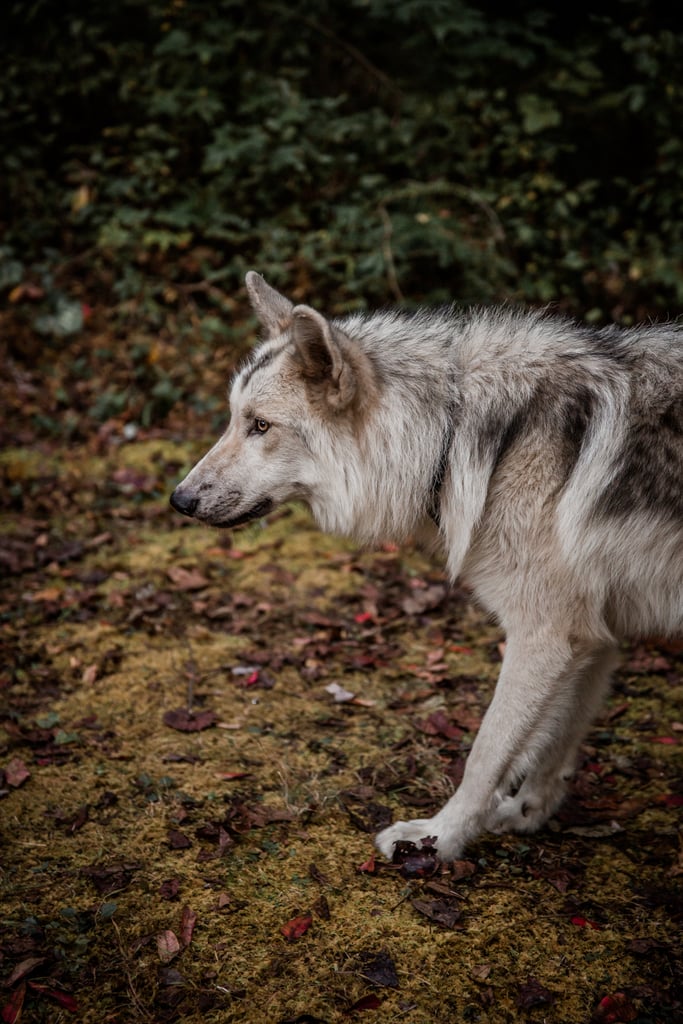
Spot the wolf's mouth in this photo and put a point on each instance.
(261, 508)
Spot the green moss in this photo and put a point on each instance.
(274, 770)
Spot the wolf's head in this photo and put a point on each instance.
(294, 406)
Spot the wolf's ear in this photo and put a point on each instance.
(273, 310)
(324, 363)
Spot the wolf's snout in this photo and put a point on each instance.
(184, 502)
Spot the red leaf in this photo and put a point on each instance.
(11, 1011)
(65, 1000)
(297, 927)
(363, 617)
(583, 922)
(370, 1002)
(616, 1009)
(668, 740)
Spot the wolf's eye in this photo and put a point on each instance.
(261, 426)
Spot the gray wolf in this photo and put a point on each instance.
(542, 457)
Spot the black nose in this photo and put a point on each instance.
(184, 502)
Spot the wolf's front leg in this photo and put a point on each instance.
(548, 767)
(528, 706)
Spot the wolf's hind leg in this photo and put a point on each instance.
(529, 710)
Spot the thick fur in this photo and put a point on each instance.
(545, 459)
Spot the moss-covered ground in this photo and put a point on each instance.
(187, 813)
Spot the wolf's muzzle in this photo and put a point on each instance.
(185, 503)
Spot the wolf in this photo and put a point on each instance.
(542, 457)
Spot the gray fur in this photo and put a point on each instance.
(544, 458)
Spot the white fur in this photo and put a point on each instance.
(512, 432)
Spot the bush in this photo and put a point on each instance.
(361, 151)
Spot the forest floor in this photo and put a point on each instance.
(200, 732)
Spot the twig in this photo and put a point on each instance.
(350, 49)
(388, 253)
(416, 189)
(192, 674)
(139, 1008)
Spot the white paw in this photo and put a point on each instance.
(414, 832)
(527, 811)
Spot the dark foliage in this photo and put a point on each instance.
(364, 151)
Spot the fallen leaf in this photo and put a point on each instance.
(189, 721)
(90, 675)
(16, 773)
(532, 993)
(49, 594)
(340, 695)
(22, 969)
(78, 819)
(422, 865)
(615, 1009)
(583, 922)
(369, 1002)
(438, 724)
(322, 908)
(416, 861)
(297, 927)
(11, 1011)
(368, 816)
(441, 912)
(187, 579)
(643, 947)
(461, 869)
(187, 924)
(109, 878)
(424, 600)
(177, 840)
(168, 945)
(170, 976)
(169, 889)
(670, 799)
(368, 866)
(65, 999)
(379, 969)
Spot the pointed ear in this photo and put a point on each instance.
(274, 311)
(324, 363)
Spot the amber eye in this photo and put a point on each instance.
(261, 426)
